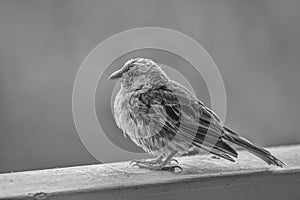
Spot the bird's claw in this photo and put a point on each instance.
(133, 162)
(146, 162)
(135, 165)
(137, 162)
(173, 160)
(157, 167)
(172, 168)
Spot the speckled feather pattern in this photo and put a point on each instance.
(162, 116)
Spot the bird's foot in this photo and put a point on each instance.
(158, 163)
(172, 168)
(157, 166)
(173, 160)
(152, 162)
(146, 162)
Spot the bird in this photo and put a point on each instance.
(165, 119)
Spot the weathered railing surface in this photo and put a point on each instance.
(203, 177)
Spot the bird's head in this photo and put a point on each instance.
(139, 72)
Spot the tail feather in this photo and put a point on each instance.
(225, 148)
(216, 152)
(259, 152)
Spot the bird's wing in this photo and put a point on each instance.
(172, 111)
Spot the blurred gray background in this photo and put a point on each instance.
(255, 44)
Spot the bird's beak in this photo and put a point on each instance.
(117, 74)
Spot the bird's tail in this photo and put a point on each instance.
(260, 152)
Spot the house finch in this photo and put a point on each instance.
(165, 119)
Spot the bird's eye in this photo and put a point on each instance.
(128, 67)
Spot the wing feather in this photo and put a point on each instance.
(180, 114)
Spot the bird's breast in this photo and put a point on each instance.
(123, 113)
(151, 137)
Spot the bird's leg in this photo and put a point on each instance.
(168, 160)
(161, 165)
(148, 161)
